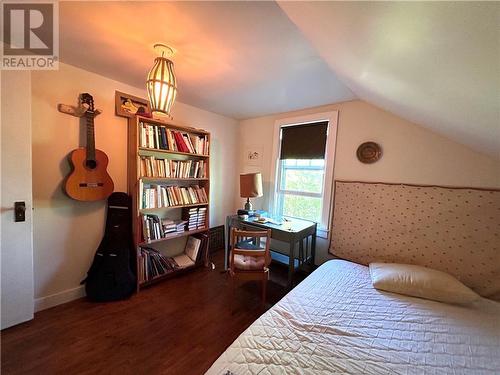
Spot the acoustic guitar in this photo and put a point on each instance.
(89, 179)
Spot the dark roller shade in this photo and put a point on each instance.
(307, 141)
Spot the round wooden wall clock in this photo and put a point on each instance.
(369, 152)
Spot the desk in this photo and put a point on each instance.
(301, 232)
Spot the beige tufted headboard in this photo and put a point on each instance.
(456, 230)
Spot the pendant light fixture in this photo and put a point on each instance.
(161, 83)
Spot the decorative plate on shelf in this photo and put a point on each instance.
(369, 152)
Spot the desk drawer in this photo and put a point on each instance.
(276, 235)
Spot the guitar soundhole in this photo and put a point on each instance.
(91, 164)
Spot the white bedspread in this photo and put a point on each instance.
(336, 322)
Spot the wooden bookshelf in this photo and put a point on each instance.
(136, 150)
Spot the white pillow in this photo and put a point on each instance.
(418, 281)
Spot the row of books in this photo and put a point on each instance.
(157, 196)
(167, 168)
(155, 228)
(196, 217)
(163, 138)
(153, 264)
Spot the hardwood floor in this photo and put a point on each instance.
(179, 326)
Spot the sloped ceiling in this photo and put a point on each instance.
(239, 59)
(436, 64)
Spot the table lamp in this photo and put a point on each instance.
(250, 187)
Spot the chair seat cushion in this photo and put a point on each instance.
(249, 263)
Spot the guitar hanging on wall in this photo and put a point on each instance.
(89, 179)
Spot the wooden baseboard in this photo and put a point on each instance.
(52, 300)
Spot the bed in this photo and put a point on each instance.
(336, 322)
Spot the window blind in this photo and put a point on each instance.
(305, 141)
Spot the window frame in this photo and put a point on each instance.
(327, 191)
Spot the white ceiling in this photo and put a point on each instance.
(436, 64)
(239, 59)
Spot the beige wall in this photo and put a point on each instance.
(411, 153)
(67, 232)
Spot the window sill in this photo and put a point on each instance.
(322, 233)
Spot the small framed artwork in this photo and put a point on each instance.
(127, 105)
(253, 155)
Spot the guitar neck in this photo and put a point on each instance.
(90, 137)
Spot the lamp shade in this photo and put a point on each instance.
(250, 185)
(162, 85)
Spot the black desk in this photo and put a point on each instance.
(295, 232)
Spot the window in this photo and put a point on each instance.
(300, 190)
(303, 174)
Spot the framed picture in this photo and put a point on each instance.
(127, 105)
(253, 155)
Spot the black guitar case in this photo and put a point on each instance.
(111, 275)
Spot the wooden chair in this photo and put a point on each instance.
(250, 258)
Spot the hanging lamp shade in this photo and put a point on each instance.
(161, 83)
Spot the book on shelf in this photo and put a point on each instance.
(170, 226)
(158, 196)
(183, 261)
(153, 264)
(155, 228)
(190, 254)
(202, 217)
(192, 247)
(179, 142)
(151, 166)
(161, 137)
(193, 251)
(195, 217)
(191, 216)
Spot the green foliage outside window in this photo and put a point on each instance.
(306, 177)
(307, 208)
(310, 181)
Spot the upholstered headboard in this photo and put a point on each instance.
(456, 230)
